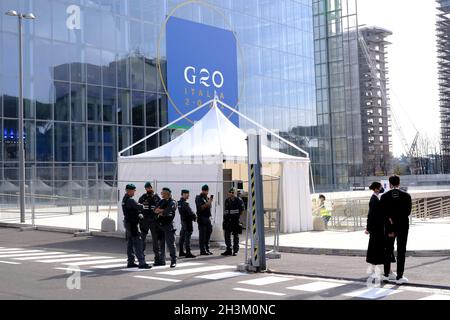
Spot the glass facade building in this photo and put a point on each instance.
(91, 85)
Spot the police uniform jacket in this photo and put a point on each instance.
(396, 205)
(149, 201)
(131, 209)
(232, 212)
(169, 206)
(203, 214)
(186, 213)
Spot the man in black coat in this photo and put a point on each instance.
(234, 208)
(203, 204)
(132, 214)
(150, 200)
(166, 210)
(396, 206)
(187, 217)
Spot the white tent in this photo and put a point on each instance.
(200, 156)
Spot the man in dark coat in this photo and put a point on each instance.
(187, 217)
(166, 210)
(396, 206)
(150, 200)
(203, 204)
(132, 214)
(234, 208)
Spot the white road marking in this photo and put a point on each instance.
(436, 297)
(74, 270)
(316, 286)
(372, 293)
(111, 266)
(9, 262)
(86, 263)
(72, 259)
(18, 253)
(265, 281)
(221, 275)
(10, 249)
(179, 265)
(37, 255)
(51, 257)
(156, 278)
(260, 291)
(195, 270)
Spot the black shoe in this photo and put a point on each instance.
(209, 253)
(159, 264)
(204, 253)
(235, 254)
(132, 265)
(182, 254)
(227, 253)
(173, 265)
(189, 255)
(145, 266)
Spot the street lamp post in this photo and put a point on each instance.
(20, 17)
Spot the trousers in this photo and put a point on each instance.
(204, 233)
(168, 234)
(402, 238)
(134, 243)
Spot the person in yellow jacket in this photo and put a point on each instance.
(324, 212)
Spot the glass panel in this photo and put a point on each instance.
(78, 143)
(109, 143)
(123, 107)
(44, 141)
(78, 103)
(109, 105)
(10, 139)
(94, 104)
(62, 101)
(138, 108)
(94, 144)
(62, 142)
(151, 110)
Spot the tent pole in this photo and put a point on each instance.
(166, 126)
(265, 129)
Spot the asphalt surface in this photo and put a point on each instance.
(30, 269)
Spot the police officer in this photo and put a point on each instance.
(132, 214)
(203, 204)
(150, 200)
(396, 206)
(187, 217)
(234, 208)
(165, 211)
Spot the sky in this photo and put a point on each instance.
(412, 59)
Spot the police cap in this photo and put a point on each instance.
(205, 188)
(148, 185)
(232, 190)
(130, 187)
(167, 190)
(184, 191)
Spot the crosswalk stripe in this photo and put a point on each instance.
(436, 297)
(265, 281)
(156, 278)
(179, 265)
(18, 253)
(316, 286)
(51, 256)
(9, 262)
(72, 259)
(74, 270)
(10, 249)
(36, 254)
(86, 263)
(260, 291)
(195, 270)
(221, 275)
(371, 293)
(110, 266)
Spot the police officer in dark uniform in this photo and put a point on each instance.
(132, 214)
(203, 204)
(187, 217)
(396, 206)
(166, 211)
(234, 208)
(150, 200)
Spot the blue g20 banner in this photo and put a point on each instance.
(201, 60)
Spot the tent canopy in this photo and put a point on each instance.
(213, 137)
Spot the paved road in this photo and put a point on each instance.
(39, 265)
